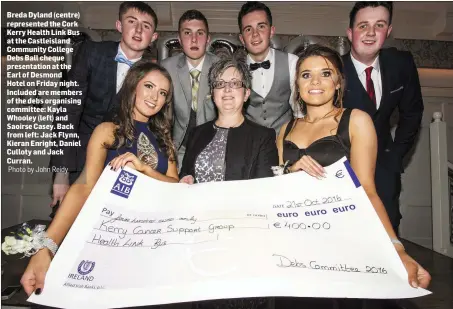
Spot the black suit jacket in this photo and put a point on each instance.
(94, 69)
(251, 150)
(400, 89)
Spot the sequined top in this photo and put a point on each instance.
(145, 147)
(210, 163)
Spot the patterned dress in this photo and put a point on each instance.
(145, 147)
(210, 163)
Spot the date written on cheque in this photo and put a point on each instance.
(310, 202)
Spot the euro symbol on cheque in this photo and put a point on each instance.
(339, 174)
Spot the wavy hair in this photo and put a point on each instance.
(334, 58)
(160, 124)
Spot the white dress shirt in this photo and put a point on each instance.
(122, 69)
(262, 79)
(375, 77)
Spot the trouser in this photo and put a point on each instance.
(388, 187)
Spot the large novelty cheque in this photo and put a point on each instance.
(138, 241)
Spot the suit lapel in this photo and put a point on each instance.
(111, 72)
(356, 93)
(385, 79)
(184, 79)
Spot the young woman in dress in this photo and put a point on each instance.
(328, 132)
(140, 138)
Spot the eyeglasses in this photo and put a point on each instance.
(235, 84)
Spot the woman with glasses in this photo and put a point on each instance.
(231, 147)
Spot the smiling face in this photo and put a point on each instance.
(137, 32)
(371, 28)
(317, 81)
(151, 95)
(193, 37)
(256, 34)
(230, 100)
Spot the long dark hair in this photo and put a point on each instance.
(335, 59)
(160, 124)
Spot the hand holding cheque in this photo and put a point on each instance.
(290, 235)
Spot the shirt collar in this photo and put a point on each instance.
(270, 56)
(198, 67)
(360, 67)
(131, 60)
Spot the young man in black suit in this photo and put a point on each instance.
(99, 69)
(378, 82)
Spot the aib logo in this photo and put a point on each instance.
(85, 267)
(123, 184)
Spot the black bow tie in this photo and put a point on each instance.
(265, 65)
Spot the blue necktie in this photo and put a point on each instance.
(122, 59)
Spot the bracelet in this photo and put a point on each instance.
(286, 168)
(50, 244)
(395, 241)
(41, 241)
(281, 169)
(28, 241)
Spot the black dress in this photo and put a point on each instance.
(326, 150)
